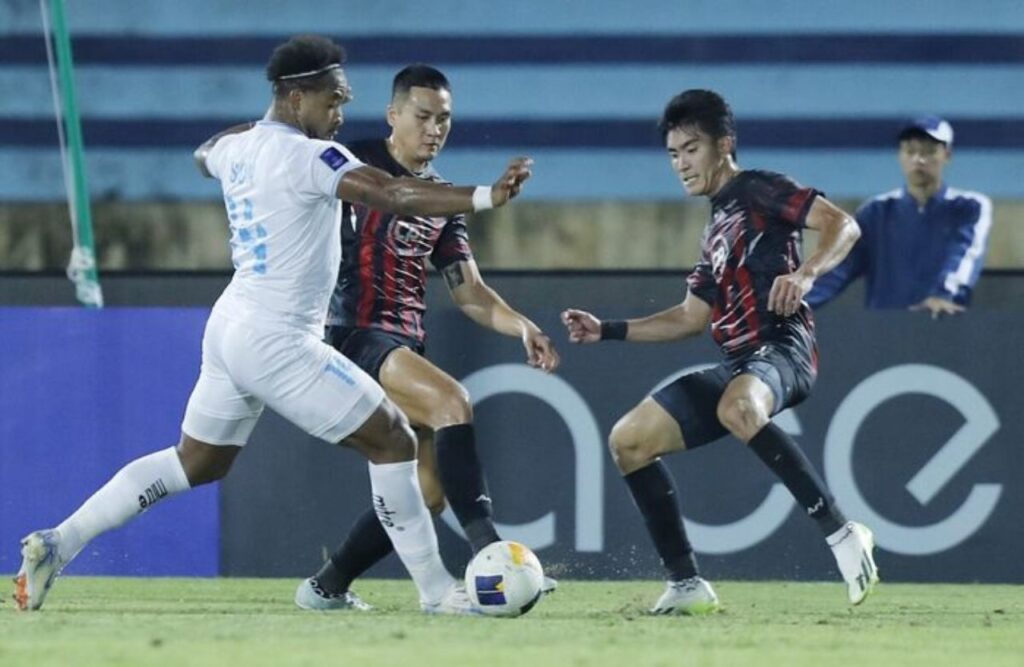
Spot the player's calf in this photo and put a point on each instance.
(385, 437)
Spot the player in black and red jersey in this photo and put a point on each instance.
(749, 285)
(376, 320)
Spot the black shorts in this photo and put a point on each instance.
(788, 368)
(368, 348)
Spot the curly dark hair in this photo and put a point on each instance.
(304, 62)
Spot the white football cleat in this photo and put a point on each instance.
(40, 565)
(692, 596)
(310, 596)
(549, 586)
(456, 602)
(852, 546)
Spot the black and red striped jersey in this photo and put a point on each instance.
(754, 236)
(383, 278)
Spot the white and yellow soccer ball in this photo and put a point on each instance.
(505, 579)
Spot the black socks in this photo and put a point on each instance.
(464, 484)
(785, 458)
(366, 544)
(655, 496)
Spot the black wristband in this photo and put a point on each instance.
(614, 329)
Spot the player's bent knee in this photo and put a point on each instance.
(629, 448)
(401, 441)
(204, 463)
(386, 436)
(743, 417)
(453, 407)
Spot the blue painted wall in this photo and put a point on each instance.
(819, 89)
(82, 393)
(915, 432)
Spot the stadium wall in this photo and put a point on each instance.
(586, 235)
(913, 421)
(819, 89)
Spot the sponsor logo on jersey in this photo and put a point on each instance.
(719, 256)
(415, 236)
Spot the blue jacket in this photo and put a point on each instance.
(907, 253)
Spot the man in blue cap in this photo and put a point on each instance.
(923, 245)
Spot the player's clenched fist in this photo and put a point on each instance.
(540, 352)
(583, 327)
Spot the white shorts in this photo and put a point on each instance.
(300, 377)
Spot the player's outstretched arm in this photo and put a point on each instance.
(686, 319)
(838, 232)
(413, 196)
(485, 307)
(203, 151)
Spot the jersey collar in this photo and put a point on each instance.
(279, 126)
(939, 195)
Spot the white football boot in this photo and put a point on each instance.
(692, 596)
(549, 586)
(852, 546)
(310, 596)
(456, 602)
(40, 565)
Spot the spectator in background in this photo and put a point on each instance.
(923, 245)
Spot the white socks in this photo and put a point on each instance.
(133, 490)
(400, 508)
(396, 499)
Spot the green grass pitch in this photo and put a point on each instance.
(243, 622)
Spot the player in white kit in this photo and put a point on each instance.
(283, 180)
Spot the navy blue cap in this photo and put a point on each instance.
(935, 127)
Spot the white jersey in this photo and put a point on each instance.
(280, 193)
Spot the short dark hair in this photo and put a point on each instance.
(304, 62)
(704, 109)
(418, 75)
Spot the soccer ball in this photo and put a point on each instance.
(504, 579)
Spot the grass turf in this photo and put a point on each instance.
(241, 622)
